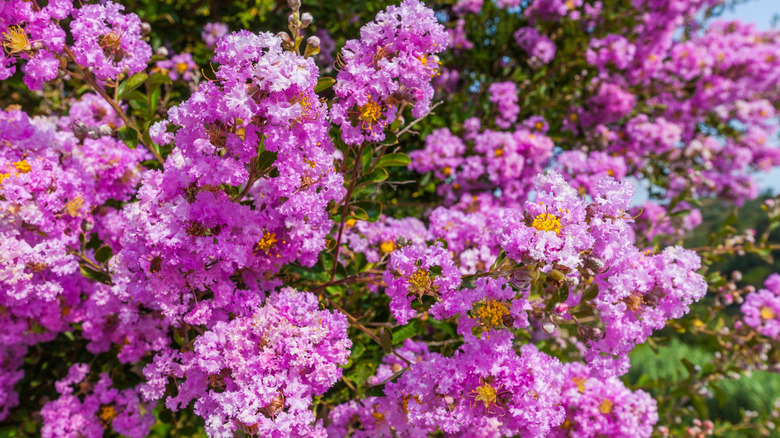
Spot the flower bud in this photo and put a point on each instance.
(94, 133)
(313, 42)
(285, 37)
(306, 19)
(80, 129)
(146, 28)
(162, 51)
(104, 130)
(294, 4)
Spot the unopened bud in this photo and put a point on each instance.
(306, 19)
(80, 129)
(285, 37)
(145, 28)
(38, 45)
(736, 276)
(162, 51)
(313, 41)
(508, 320)
(294, 4)
(548, 327)
(94, 133)
(401, 241)
(104, 130)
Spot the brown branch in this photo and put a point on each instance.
(99, 89)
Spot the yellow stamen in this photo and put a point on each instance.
(492, 313)
(447, 171)
(22, 166)
(606, 406)
(486, 394)
(268, 241)
(419, 282)
(547, 222)
(767, 313)
(539, 126)
(182, 67)
(580, 382)
(15, 40)
(371, 112)
(499, 152)
(108, 414)
(73, 206)
(387, 246)
(350, 223)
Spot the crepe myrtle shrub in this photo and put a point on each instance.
(385, 219)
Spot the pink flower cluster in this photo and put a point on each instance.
(388, 68)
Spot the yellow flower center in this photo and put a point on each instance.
(181, 67)
(350, 223)
(15, 40)
(22, 166)
(539, 126)
(378, 416)
(606, 406)
(492, 313)
(108, 414)
(499, 152)
(547, 222)
(73, 206)
(486, 394)
(387, 246)
(447, 170)
(580, 382)
(268, 241)
(767, 313)
(370, 113)
(419, 282)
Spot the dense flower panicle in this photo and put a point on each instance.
(244, 192)
(390, 67)
(458, 40)
(53, 189)
(504, 96)
(613, 51)
(259, 373)
(463, 7)
(416, 271)
(104, 407)
(539, 47)
(11, 361)
(109, 41)
(493, 304)
(485, 380)
(552, 229)
(179, 66)
(603, 407)
(213, 32)
(32, 35)
(761, 309)
(637, 297)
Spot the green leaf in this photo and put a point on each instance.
(390, 160)
(265, 160)
(407, 331)
(377, 175)
(359, 213)
(104, 254)
(129, 136)
(390, 138)
(158, 79)
(132, 83)
(95, 275)
(324, 83)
